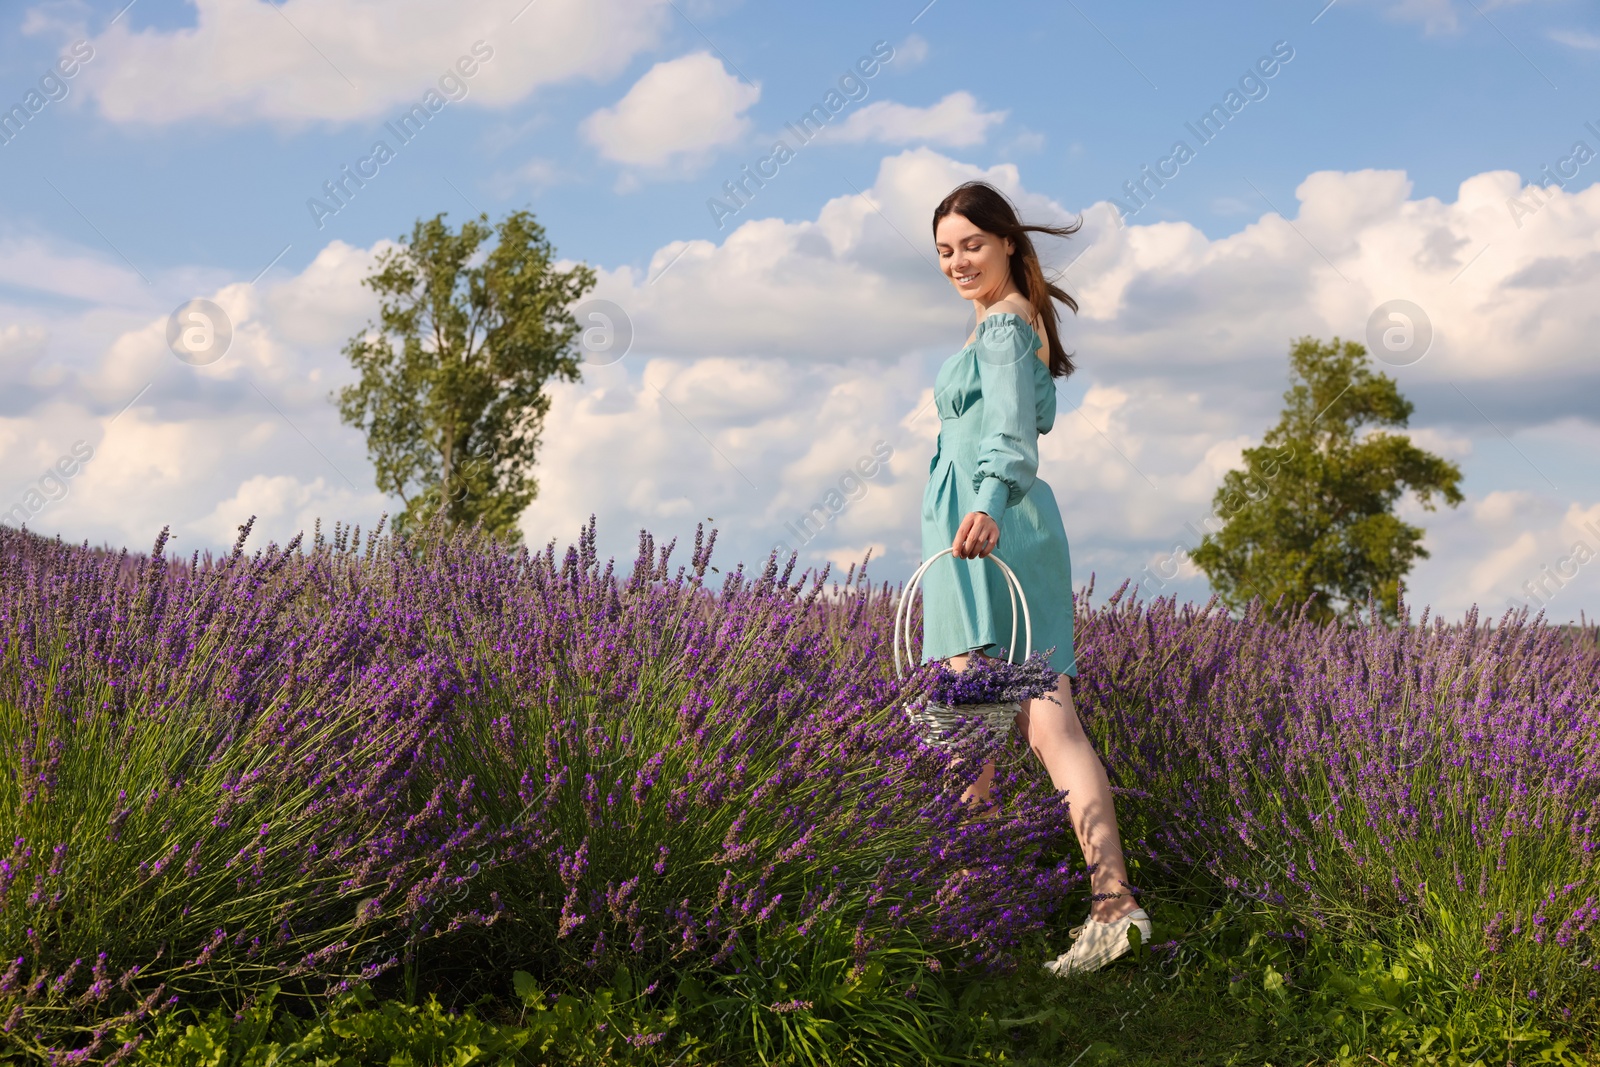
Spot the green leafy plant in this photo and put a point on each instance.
(813, 1000)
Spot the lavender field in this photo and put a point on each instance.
(432, 764)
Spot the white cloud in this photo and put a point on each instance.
(680, 107)
(911, 52)
(1516, 549)
(955, 121)
(1436, 16)
(533, 175)
(22, 349)
(1025, 142)
(1440, 16)
(198, 448)
(280, 503)
(1581, 39)
(46, 268)
(767, 364)
(1181, 342)
(852, 284)
(342, 60)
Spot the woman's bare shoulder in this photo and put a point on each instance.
(1016, 304)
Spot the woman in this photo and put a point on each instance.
(995, 397)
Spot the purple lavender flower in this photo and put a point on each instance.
(382, 746)
(989, 680)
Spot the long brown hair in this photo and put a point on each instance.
(988, 209)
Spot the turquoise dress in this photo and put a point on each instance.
(995, 397)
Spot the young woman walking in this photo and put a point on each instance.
(994, 398)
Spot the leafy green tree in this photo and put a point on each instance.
(451, 395)
(1311, 515)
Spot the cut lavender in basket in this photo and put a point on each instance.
(993, 681)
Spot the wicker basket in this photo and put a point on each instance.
(946, 725)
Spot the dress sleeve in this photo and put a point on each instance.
(1008, 450)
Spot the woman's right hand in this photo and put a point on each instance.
(978, 536)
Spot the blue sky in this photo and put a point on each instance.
(1365, 89)
(772, 350)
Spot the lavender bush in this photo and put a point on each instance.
(324, 765)
(1430, 783)
(313, 766)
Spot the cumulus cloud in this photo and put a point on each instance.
(679, 108)
(343, 60)
(198, 449)
(955, 121)
(279, 502)
(768, 364)
(857, 282)
(1182, 343)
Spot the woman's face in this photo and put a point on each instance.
(977, 262)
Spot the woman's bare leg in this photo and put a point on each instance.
(977, 795)
(1050, 723)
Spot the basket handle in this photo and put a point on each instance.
(1013, 588)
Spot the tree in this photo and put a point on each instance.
(451, 395)
(1311, 515)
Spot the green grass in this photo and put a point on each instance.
(1236, 993)
(1230, 993)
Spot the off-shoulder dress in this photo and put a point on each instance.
(995, 397)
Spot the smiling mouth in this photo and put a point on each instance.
(965, 279)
